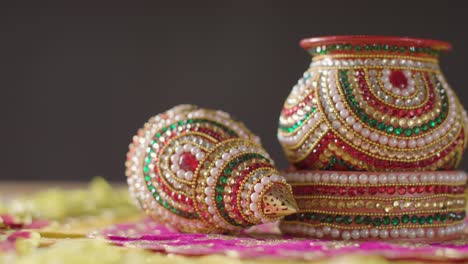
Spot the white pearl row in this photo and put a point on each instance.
(328, 62)
(377, 178)
(354, 234)
(258, 189)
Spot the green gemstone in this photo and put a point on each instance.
(424, 127)
(398, 130)
(395, 48)
(147, 178)
(381, 126)
(376, 47)
(368, 47)
(408, 132)
(390, 129)
(219, 198)
(145, 169)
(373, 122)
(432, 123)
(443, 218)
(416, 130)
(422, 220)
(357, 48)
(158, 135)
(429, 219)
(386, 220)
(437, 216)
(223, 179)
(412, 49)
(347, 47)
(332, 47)
(395, 221)
(173, 126)
(339, 46)
(330, 219)
(339, 219)
(348, 220)
(439, 120)
(368, 220)
(219, 188)
(227, 171)
(377, 221)
(405, 219)
(313, 216)
(359, 219)
(402, 49)
(414, 219)
(386, 47)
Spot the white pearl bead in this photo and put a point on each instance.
(393, 142)
(188, 175)
(254, 197)
(253, 207)
(210, 181)
(373, 179)
(374, 232)
(383, 233)
(226, 156)
(394, 233)
(383, 179)
(334, 177)
(413, 178)
(374, 136)
(402, 178)
(326, 230)
(325, 177)
(319, 233)
(355, 234)
(353, 178)
(420, 232)
(430, 233)
(383, 140)
(391, 178)
(403, 232)
(364, 233)
(199, 156)
(311, 231)
(346, 235)
(411, 143)
(363, 178)
(275, 178)
(258, 187)
(441, 232)
(265, 180)
(214, 172)
(335, 233)
(343, 179)
(219, 163)
(412, 233)
(357, 127)
(421, 142)
(402, 143)
(365, 132)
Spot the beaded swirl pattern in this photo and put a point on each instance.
(199, 170)
(377, 112)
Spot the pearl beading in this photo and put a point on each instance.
(377, 178)
(440, 233)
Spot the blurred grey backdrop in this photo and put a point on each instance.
(78, 80)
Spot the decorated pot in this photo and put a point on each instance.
(373, 103)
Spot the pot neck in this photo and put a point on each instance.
(375, 46)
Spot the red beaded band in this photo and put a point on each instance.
(372, 205)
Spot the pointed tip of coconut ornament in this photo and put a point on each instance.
(198, 170)
(278, 202)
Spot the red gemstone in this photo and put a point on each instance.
(372, 190)
(342, 190)
(381, 189)
(391, 190)
(352, 191)
(188, 162)
(420, 189)
(361, 190)
(412, 189)
(398, 79)
(402, 190)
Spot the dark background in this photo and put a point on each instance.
(77, 81)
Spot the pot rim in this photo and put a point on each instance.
(439, 45)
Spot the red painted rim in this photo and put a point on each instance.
(366, 39)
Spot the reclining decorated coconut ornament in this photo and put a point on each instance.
(198, 170)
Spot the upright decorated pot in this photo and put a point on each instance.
(373, 103)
